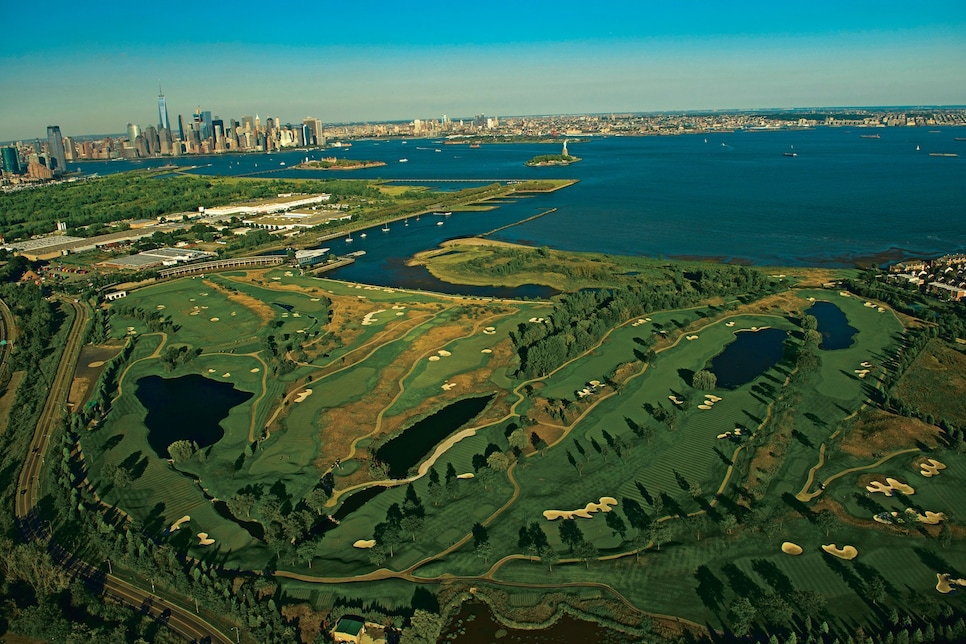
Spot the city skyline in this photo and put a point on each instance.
(93, 74)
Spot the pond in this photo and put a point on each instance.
(750, 355)
(357, 500)
(836, 331)
(186, 408)
(415, 443)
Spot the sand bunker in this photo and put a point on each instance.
(204, 540)
(729, 323)
(891, 485)
(862, 373)
(193, 313)
(604, 505)
(433, 358)
(704, 406)
(255, 370)
(398, 307)
(177, 524)
(486, 350)
(467, 475)
(692, 337)
(214, 319)
(930, 467)
(489, 330)
(302, 395)
(444, 353)
(845, 294)
(226, 375)
(365, 543)
(211, 371)
(446, 386)
(845, 552)
(314, 299)
(538, 320)
(675, 400)
(95, 364)
(367, 320)
(790, 548)
(945, 584)
(161, 306)
(929, 518)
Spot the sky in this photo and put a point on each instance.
(94, 67)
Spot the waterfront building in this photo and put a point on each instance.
(313, 131)
(133, 132)
(55, 149)
(163, 123)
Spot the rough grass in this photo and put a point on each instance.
(935, 383)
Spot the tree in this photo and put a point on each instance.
(825, 520)
(306, 552)
(518, 439)
(484, 551)
(945, 535)
(424, 627)
(704, 380)
(660, 533)
(411, 523)
(549, 556)
(586, 552)
(316, 500)
(377, 555)
(498, 462)
(742, 613)
(875, 589)
(180, 451)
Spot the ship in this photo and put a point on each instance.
(363, 235)
(385, 228)
(943, 154)
(474, 145)
(869, 136)
(791, 154)
(403, 160)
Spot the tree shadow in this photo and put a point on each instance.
(672, 506)
(803, 439)
(741, 583)
(644, 493)
(724, 457)
(798, 506)
(687, 375)
(934, 561)
(751, 416)
(815, 419)
(868, 503)
(113, 442)
(710, 589)
(774, 577)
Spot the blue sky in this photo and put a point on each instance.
(93, 67)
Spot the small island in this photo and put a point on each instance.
(552, 159)
(332, 163)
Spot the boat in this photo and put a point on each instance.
(403, 160)
(363, 235)
(437, 150)
(349, 238)
(406, 221)
(439, 223)
(385, 228)
(917, 148)
(282, 163)
(706, 140)
(791, 154)
(869, 136)
(474, 145)
(955, 138)
(943, 154)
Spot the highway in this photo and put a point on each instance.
(188, 625)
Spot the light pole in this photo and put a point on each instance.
(110, 568)
(237, 637)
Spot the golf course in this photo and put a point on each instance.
(725, 463)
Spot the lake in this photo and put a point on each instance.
(833, 325)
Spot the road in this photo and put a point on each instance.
(182, 621)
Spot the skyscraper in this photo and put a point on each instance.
(133, 130)
(11, 160)
(55, 149)
(163, 123)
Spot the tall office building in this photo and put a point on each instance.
(55, 149)
(315, 134)
(11, 160)
(163, 123)
(180, 127)
(133, 131)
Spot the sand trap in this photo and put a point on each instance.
(538, 320)
(713, 398)
(790, 548)
(399, 313)
(881, 310)
(226, 375)
(865, 364)
(891, 485)
(490, 330)
(288, 273)
(211, 371)
(161, 306)
(302, 395)
(277, 279)
(845, 552)
(205, 541)
(725, 435)
(604, 505)
(177, 524)
(433, 358)
(704, 406)
(675, 400)
(845, 294)
(366, 321)
(447, 386)
(444, 353)
(931, 518)
(214, 319)
(729, 323)
(942, 583)
(467, 475)
(95, 364)
(692, 337)
(284, 315)
(193, 313)
(486, 350)
(255, 370)
(811, 299)
(869, 304)
(365, 543)
(398, 307)
(314, 299)
(931, 467)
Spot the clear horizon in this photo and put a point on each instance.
(97, 68)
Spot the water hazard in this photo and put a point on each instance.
(415, 443)
(750, 355)
(836, 331)
(186, 408)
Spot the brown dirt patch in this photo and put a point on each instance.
(91, 364)
(262, 310)
(878, 432)
(309, 621)
(935, 383)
